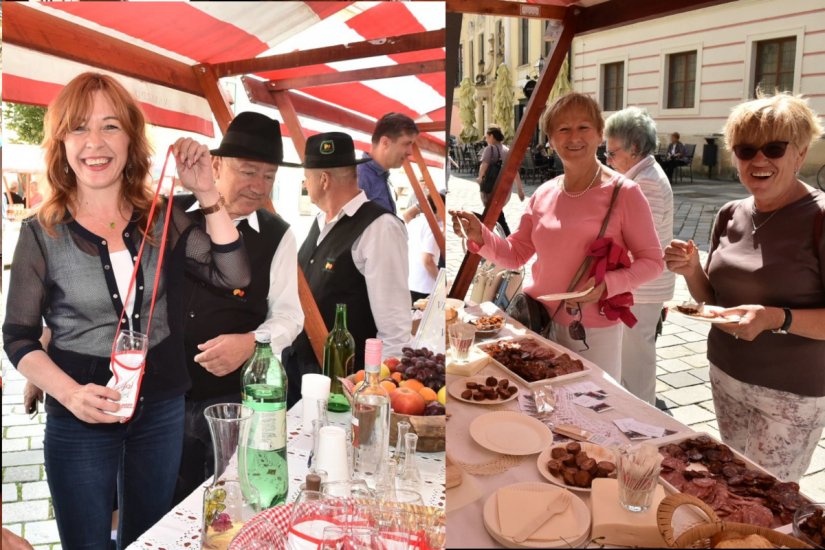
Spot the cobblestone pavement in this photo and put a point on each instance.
(682, 374)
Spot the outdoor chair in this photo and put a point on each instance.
(678, 174)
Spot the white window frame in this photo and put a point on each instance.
(750, 58)
(600, 63)
(664, 70)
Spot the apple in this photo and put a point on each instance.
(392, 363)
(406, 401)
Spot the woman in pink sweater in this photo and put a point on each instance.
(561, 222)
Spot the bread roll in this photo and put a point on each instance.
(750, 541)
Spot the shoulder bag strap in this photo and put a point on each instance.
(589, 259)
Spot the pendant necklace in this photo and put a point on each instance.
(586, 189)
(753, 220)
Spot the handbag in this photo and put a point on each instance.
(508, 283)
(530, 312)
(491, 175)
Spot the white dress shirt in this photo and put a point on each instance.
(284, 317)
(380, 255)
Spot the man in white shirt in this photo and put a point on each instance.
(218, 325)
(355, 254)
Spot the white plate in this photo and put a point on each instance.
(510, 433)
(558, 350)
(596, 452)
(728, 319)
(457, 386)
(566, 295)
(491, 523)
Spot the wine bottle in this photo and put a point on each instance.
(339, 359)
(264, 389)
(370, 420)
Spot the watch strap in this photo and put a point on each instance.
(786, 324)
(215, 207)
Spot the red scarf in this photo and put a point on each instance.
(609, 256)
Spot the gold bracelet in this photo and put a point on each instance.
(215, 207)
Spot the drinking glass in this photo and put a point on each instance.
(130, 348)
(462, 336)
(313, 511)
(638, 473)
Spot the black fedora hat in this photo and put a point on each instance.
(253, 136)
(330, 150)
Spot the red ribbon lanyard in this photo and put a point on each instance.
(140, 255)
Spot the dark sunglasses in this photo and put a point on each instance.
(576, 328)
(772, 150)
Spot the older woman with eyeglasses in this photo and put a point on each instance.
(561, 226)
(631, 144)
(766, 267)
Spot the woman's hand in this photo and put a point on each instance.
(754, 320)
(466, 224)
(32, 395)
(594, 295)
(91, 402)
(682, 257)
(194, 164)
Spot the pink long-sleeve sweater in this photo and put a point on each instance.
(559, 230)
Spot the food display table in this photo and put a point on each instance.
(180, 528)
(465, 528)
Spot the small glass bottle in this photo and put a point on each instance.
(410, 476)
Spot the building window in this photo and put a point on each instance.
(471, 66)
(775, 64)
(460, 68)
(524, 42)
(613, 86)
(681, 80)
(481, 52)
(547, 43)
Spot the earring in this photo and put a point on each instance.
(66, 168)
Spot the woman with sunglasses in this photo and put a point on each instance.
(631, 145)
(560, 224)
(766, 266)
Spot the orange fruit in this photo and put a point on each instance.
(389, 386)
(396, 376)
(427, 394)
(412, 384)
(359, 376)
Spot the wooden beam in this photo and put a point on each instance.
(39, 31)
(425, 207)
(506, 8)
(258, 92)
(369, 48)
(287, 110)
(428, 181)
(359, 75)
(616, 13)
(521, 142)
(437, 126)
(211, 90)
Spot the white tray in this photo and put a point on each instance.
(557, 349)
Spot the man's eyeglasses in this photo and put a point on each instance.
(610, 154)
(772, 150)
(576, 328)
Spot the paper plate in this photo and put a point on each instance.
(580, 510)
(596, 452)
(457, 386)
(697, 317)
(511, 433)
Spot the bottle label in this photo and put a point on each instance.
(268, 431)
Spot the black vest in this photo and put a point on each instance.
(333, 279)
(203, 312)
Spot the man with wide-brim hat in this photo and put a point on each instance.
(355, 254)
(218, 325)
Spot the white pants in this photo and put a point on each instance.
(639, 352)
(605, 346)
(778, 430)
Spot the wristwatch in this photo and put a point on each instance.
(215, 207)
(786, 324)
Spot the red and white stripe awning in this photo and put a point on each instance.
(215, 32)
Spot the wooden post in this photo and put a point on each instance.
(212, 92)
(425, 207)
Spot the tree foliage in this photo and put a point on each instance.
(26, 121)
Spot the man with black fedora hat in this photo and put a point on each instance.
(218, 325)
(355, 254)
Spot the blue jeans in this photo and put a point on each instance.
(85, 462)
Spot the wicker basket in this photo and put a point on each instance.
(698, 536)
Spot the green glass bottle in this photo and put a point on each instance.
(339, 359)
(263, 389)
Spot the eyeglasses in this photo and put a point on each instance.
(611, 154)
(772, 150)
(576, 328)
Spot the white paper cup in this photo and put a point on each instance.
(314, 388)
(332, 453)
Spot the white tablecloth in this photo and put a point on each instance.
(180, 528)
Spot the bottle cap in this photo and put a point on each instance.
(372, 353)
(262, 336)
(313, 482)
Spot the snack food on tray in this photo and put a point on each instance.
(493, 322)
(576, 467)
(711, 472)
(491, 390)
(532, 360)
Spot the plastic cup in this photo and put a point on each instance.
(462, 336)
(332, 453)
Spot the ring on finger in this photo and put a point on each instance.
(736, 335)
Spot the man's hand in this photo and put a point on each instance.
(224, 354)
(13, 542)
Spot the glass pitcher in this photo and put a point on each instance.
(230, 501)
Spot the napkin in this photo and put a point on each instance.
(516, 507)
